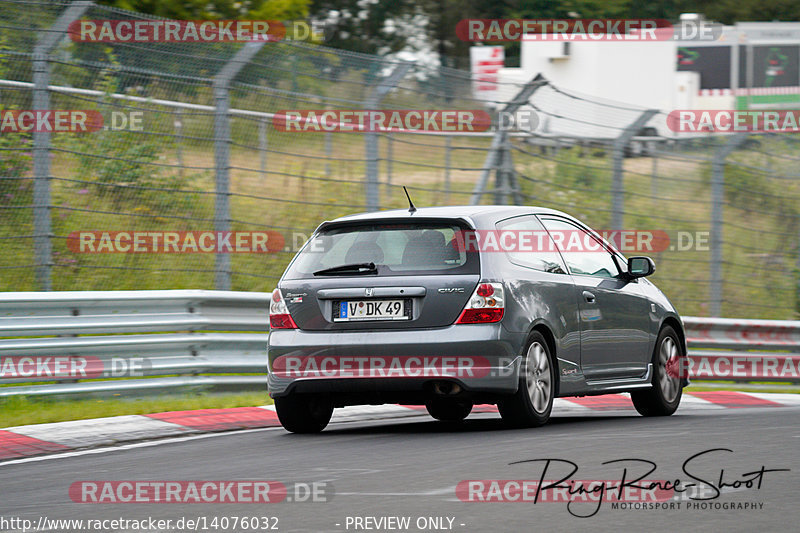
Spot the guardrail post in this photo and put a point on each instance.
(371, 142)
(494, 158)
(618, 155)
(42, 228)
(222, 141)
(717, 199)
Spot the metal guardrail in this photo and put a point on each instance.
(54, 343)
(738, 349)
(128, 341)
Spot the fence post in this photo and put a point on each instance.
(328, 153)
(717, 199)
(222, 141)
(177, 122)
(797, 273)
(42, 227)
(618, 155)
(506, 179)
(501, 188)
(654, 178)
(491, 161)
(447, 149)
(494, 158)
(511, 175)
(263, 145)
(389, 158)
(371, 142)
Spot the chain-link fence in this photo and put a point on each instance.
(209, 157)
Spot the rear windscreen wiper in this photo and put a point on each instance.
(355, 268)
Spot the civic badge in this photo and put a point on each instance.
(368, 292)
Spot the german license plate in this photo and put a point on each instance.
(370, 310)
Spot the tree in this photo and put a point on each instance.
(216, 9)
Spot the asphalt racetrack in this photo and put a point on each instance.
(373, 476)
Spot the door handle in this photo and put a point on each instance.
(588, 296)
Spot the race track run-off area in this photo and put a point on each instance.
(732, 456)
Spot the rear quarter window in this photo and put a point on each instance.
(528, 252)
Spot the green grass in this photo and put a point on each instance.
(760, 213)
(700, 388)
(708, 386)
(19, 411)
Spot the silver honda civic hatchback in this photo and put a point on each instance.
(449, 307)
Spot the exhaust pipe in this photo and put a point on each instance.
(446, 388)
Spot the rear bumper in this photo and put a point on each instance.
(376, 366)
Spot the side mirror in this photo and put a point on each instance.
(640, 267)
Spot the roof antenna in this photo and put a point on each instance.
(411, 208)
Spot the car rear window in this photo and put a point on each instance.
(397, 249)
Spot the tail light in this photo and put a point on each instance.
(279, 317)
(486, 305)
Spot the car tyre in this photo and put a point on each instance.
(663, 398)
(448, 410)
(531, 405)
(300, 414)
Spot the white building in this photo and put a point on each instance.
(749, 66)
